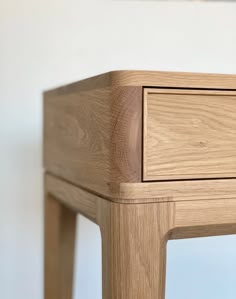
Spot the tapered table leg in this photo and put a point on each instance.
(60, 225)
(134, 250)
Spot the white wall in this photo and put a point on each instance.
(47, 43)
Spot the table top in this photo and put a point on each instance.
(96, 134)
(151, 78)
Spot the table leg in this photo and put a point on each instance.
(134, 240)
(60, 226)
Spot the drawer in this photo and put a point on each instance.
(189, 134)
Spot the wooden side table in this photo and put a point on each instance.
(148, 156)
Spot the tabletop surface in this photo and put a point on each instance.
(151, 79)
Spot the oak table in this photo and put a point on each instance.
(148, 156)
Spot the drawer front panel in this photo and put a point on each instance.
(189, 134)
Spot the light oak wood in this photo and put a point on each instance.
(93, 129)
(134, 249)
(174, 79)
(72, 197)
(60, 224)
(204, 218)
(150, 79)
(148, 156)
(85, 202)
(189, 134)
(134, 241)
(176, 191)
(134, 235)
(93, 137)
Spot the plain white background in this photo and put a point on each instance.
(47, 43)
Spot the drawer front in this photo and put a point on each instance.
(189, 134)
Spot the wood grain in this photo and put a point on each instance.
(73, 197)
(206, 212)
(204, 218)
(98, 135)
(149, 79)
(60, 225)
(86, 202)
(176, 191)
(134, 249)
(134, 233)
(189, 134)
(93, 138)
(174, 79)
